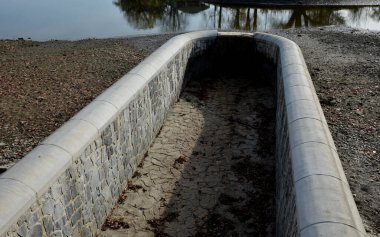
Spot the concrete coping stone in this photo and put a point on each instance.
(300, 109)
(296, 80)
(124, 90)
(316, 159)
(204, 34)
(325, 199)
(145, 70)
(326, 228)
(295, 93)
(307, 130)
(51, 161)
(15, 199)
(73, 136)
(97, 113)
(293, 68)
(324, 203)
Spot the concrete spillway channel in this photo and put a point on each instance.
(210, 171)
(214, 134)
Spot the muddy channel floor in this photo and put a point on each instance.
(210, 171)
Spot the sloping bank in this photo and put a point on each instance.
(68, 185)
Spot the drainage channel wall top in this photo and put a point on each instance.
(69, 183)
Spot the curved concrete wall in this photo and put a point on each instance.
(70, 182)
(313, 195)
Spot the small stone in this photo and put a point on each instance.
(67, 230)
(23, 230)
(76, 217)
(85, 232)
(48, 207)
(69, 210)
(48, 224)
(359, 111)
(57, 234)
(58, 212)
(33, 219)
(36, 231)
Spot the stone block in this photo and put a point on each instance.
(85, 232)
(36, 231)
(76, 217)
(67, 229)
(34, 218)
(23, 230)
(57, 234)
(48, 224)
(69, 210)
(59, 212)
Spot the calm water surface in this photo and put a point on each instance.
(79, 19)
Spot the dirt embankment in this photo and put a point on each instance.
(43, 84)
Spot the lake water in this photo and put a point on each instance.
(79, 19)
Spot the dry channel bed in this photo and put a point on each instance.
(210, 171)
(44, 83)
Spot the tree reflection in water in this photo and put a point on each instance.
(142, 14)
(176, 15)
(307, 17)
(171, 15)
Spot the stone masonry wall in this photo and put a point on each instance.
(286, 221)
(313, 197)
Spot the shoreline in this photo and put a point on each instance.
(300, 3)
(46, 83)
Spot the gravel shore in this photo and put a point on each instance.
(43, 84)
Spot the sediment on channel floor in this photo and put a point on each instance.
(210, 170)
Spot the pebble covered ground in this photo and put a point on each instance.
(43, 84)
(210, 171)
